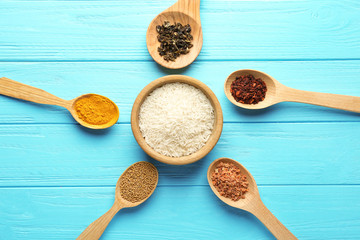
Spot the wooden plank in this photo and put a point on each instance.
(115, 30)
(287, 153)
(122, 81)
(315, 212)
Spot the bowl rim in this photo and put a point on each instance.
(214, 137)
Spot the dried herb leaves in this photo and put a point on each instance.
(174, 40)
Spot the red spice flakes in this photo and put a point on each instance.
(229, 182)
(248, 89)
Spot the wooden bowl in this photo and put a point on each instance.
(185, 159)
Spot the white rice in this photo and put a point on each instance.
(176, 119)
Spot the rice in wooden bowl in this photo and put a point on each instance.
(180, 117)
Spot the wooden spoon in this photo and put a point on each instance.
(277, 92)
(184, 12)
(252, 202)
(22, 91)
(96, 228)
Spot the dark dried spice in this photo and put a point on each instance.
(174, 40)
(248, 90)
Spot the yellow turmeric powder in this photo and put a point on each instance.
(95, 109)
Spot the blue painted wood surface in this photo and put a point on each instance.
(57, 177)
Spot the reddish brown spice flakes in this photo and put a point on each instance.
(229, 182)
(248, 89)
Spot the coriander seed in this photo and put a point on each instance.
(138, 181)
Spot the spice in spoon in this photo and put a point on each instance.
(175, 39)
(138, 181)
(95, 109)
(229, 181)
(248, 90)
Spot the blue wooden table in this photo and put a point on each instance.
(56, 177)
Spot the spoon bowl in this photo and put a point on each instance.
(271, 93)
(184, 12)
(252, 201)
(277, 92)
(22, 91)
(96, 228)
(73, 112)
(250, 196)
(125, 203)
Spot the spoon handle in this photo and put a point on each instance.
(271, 222)
(96, 228)
(22, 91)
(343, 102)
(190, 7)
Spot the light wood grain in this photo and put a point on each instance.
(184, 12)
(97, 228)
(252, 202)
(211, 142)
(22, 91)
(277, 92)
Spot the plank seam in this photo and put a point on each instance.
(199, 60)
(225, 122)
(185, 185)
